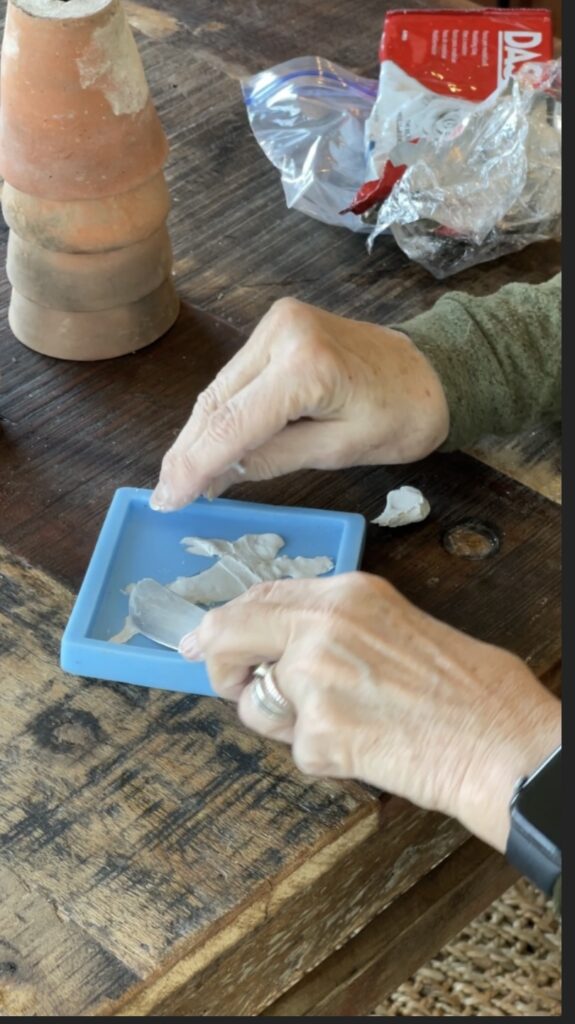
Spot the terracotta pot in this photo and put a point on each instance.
(92, 336)
(76, 117)
(80, 283)
(88, 225)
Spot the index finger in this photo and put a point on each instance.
(242, 423)
(242, 368)
(236, 638)
(260, 626)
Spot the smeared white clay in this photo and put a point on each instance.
(10, 44)
(126, 633)
(59, 12)
(259, 546)
(241, 564)
(251, 559)
(112, 63)
(403, 506)
(227, 579)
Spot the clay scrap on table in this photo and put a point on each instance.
(404, 506)
(241, 564)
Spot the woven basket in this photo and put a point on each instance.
(506, 963)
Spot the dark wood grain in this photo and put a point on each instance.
(389, 949)
(181, 863)
(49, 967)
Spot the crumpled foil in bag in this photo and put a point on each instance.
(490, 187)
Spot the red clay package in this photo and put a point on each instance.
(434, 66)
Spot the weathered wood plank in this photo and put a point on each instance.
(173, 839)
(38, 946)
(151, 22)
(306, 915)
(396, 942)
(534, 459)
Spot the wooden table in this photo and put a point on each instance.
(156, 858)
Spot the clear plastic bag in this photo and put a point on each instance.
(483, 181)
(309, 115)
(490, 187)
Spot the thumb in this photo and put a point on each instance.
(308, 444)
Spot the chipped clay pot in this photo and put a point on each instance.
(82, 152)
(91, 336)
(88, 225)
(76, 117)
(88, 283)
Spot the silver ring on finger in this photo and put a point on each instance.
(267, 695)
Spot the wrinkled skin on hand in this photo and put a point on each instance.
(309, 390)
(384, 693)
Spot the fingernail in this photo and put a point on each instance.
(161, 499)
(189, 647)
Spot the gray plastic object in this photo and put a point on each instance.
(161, 615)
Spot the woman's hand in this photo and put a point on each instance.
(309, 390)
(384, 693)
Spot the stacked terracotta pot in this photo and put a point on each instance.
(82, 154)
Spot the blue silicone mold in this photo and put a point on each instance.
(136, 542)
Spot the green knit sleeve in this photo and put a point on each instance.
(498, 358)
